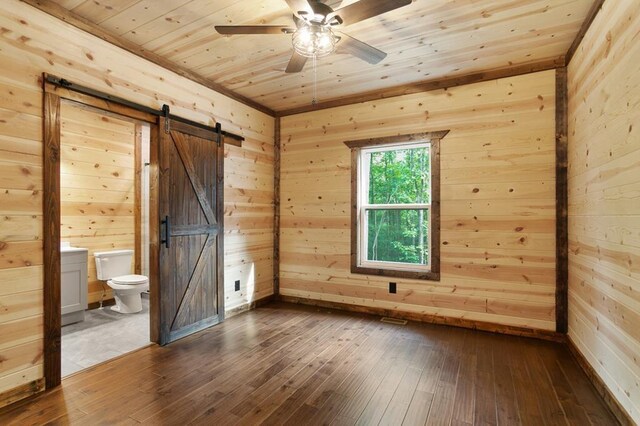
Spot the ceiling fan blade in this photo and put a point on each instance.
(360, 49)
(298, 6)
(365, 9)
(253, 29)
(296, 63)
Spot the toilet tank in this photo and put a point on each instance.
(111, 264)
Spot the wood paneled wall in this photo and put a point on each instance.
(32, 42)
(97, 186)
(604, 200)
(497, 210)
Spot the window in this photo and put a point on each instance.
(395, 206)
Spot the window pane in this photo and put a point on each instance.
(398, 236)
(400, 176)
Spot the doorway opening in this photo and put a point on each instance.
(178, 224)
(104, 235)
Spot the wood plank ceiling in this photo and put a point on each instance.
(427, 40)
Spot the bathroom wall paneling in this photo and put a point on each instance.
(604, 204)
(100, 205)
(34, 42)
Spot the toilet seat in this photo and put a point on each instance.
(130, 280)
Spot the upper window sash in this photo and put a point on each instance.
(364, 172)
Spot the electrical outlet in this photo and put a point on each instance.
(237, 285)
(392, 287)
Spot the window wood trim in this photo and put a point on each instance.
(355, 146)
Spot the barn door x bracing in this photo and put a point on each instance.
(190, 209)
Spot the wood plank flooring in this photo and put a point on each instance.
(297, 365)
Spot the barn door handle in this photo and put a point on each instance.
(167, 231)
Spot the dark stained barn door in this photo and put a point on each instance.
(191, 210)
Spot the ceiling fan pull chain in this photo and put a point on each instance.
(315, 81)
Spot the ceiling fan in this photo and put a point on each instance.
(314, 36)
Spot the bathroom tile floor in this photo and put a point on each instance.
(104, 334)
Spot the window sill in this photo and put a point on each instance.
(414, 275)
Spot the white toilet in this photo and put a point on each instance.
(114, 267)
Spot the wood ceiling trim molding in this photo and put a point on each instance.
(597, 5)
(429, 85)
(77, 21)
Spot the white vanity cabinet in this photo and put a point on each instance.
(73, 294)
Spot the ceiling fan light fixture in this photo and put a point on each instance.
(314, 40)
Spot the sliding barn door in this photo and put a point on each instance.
(190, 209)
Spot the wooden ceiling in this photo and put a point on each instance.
(427, 40)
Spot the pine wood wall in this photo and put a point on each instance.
(32, 42)
(604, 200)
(97, 178)
(498, 202)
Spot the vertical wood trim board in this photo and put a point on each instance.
(137, 206)
(220, 240)
(497, 202)
(562, 274)
(154, 233)
(51, 224)
(604, 201)
(436, 178)
(276, 207)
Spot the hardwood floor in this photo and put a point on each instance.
(290, 364)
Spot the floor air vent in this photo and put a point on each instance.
(395, 321)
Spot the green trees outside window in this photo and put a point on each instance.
(396, 192)
(398, 236)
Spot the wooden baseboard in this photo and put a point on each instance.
(432, 319)
(21, 392)
(249, 306)
(612, 403)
